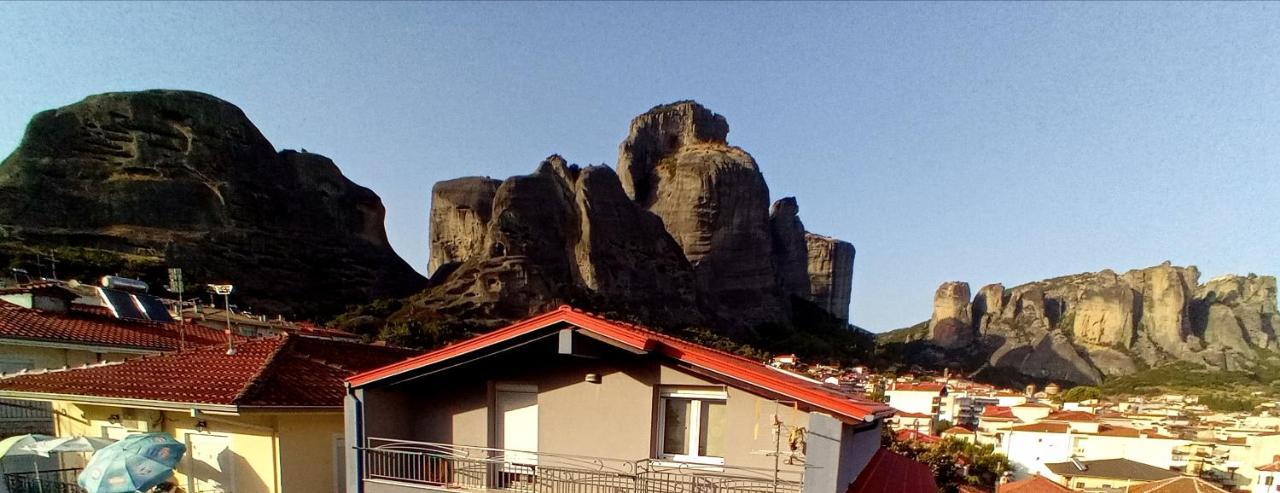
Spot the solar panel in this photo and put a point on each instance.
(152, 307)
(121, 304)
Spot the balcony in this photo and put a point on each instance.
(438, 466)
(54, 481)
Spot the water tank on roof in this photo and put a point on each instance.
(123, 283)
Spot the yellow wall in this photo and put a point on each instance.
(1099, 483)
(43, 357)
(269, 453)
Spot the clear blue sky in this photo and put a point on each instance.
(974, 141)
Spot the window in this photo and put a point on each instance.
(691, 425)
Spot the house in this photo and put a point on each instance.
(1106, 474)
(1177, 485)
(1031, 446)
(917, 422)
(888, 472)
(48, 324)
(266, 419)
(567, 400)
(1268, 480)
(918, 398)
(1033, 484)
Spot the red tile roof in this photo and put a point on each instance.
(919, 387)
(1177, 485)
(94, 326)
(1274, 466)
(1034, 404)
(1043, 427)
(998, 413)
(1077, 416)
(1034, 484)
(287, 371)
(957, 430)
(905, 414)
(888, 472)
(913, 435)
(731, 367)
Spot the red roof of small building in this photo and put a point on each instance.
(286, 371)
(728, 366)
(957, 430)
(905, 414)
(998, 413)
(913, 435)
(94, 326)
(1033, 484)
(1077, 416)
(919, 387)
(1177, 485)
(1274, 466)
(1033, 404)
(888, 472)
(1043, 427)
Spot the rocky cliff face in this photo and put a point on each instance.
(683, 228)
(1086, 327)
(131, 183)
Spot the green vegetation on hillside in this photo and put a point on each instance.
(1191, 378)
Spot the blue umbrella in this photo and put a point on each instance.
(135, 463)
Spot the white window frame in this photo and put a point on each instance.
(695, 397)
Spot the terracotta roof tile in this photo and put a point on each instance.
(733, 367)
(888, 472)
(1077, 416)
(913, 435)
(95, 326)
(1177, 485)
(1034, 484)
(998, 413)
(285, 371)
(1043, 427)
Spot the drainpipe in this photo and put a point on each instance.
(353, 436)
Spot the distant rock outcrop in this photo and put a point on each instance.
(681, 232)
(133, 182)
(1086, 327)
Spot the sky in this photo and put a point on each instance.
(980, 142)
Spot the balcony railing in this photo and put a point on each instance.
(481, 469)
(54, 481)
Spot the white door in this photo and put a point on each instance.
(516, 418)
(210, 464)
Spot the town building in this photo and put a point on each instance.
(266, 419)
(567, 400)
(1106, 475)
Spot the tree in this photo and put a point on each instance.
(1082, 393)
(954, 462)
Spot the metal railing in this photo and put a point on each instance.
(54, 481)
(479, 468)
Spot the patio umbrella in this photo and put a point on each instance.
(69, 444)
(135, 463)
(16, 445)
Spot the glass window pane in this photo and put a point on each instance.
(711, 431)
(675, 432)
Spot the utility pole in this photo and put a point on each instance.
(225, 291)
(177, 286)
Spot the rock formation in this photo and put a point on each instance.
(130, 183)
(1088, 326)
(714, 202)
(830, 273)
(681, 232)
(459, 217)
(561, 234)
(952, 322)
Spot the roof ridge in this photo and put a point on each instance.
(260, 375)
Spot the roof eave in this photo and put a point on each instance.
(120, 401)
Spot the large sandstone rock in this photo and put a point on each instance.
(951, 325)
(988, 305)
(1104, 315)
(683, 230)
(830, 273)
(714, 202)
(790, 248)
(1086, 326)
(564, 235)
(132, 183)
(460, 211)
